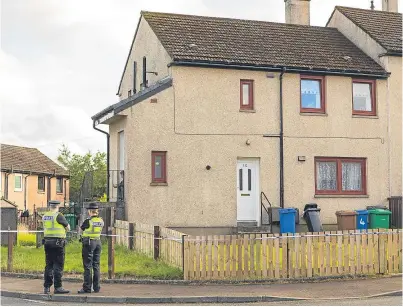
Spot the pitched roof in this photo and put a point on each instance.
(257, 43)
(26, 159)
(383, 27)
(4, 203)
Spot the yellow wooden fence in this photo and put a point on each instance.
(170, 241)
(271, 256)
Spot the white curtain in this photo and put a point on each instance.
(310, 90)
(362, 97)
(351, 176)
(326, 175)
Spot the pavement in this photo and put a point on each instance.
(209, 293)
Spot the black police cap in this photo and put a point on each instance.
(54, 203)
(93, 206)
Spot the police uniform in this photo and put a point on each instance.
(54, 224)
(91, 252)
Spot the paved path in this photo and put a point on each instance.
(326, 290)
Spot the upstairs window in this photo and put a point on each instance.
(246, 95)
(41, 183)
(18, 183)
(364, 97)
(312, 94)
(159, 166)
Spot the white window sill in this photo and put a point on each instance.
(18, 190)
(156, 184)
(341, 196)
(312, 114)
(247, 111)
(366, 116)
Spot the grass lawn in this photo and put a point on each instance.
(29, 259)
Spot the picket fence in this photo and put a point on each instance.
(271, 256)
(168, 241)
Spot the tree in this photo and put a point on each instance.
(79, 165)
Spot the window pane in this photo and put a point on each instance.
(326, 176)
(41, 183)
(351, 176)
(249, 179)
(240, 179)
(158, 167)
(59, 185)
(17, 182)
(310, 94)
(362, 100)
(245, 94)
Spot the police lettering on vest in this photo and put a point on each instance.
(52, 228)
(95, 229)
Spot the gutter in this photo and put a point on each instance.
(279, 69)
(391, 53)
(107, 157)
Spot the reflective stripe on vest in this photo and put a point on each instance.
(51, 227)
(95, 229)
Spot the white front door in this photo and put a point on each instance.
(248, 190)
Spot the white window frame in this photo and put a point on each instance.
(15, 188)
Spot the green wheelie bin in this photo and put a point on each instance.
(379, 218)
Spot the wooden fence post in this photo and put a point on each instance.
(157, 242)
(10, 250)
(131, 236)
(111, 253)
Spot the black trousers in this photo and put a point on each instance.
(54, 252)
(91, 260)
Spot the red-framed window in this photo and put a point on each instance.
(340, 176)
(159, 166)
(364, 97)
(246, 97)
(313, 93)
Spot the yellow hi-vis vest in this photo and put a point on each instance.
(95, 229)
(52, 229)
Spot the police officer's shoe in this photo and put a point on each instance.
(46, 290)
(96, 290)
(83, 291)
(61, 291)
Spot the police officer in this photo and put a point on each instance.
(55, 226)
(91, 252)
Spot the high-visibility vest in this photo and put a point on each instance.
(52, 229)
(95, 229)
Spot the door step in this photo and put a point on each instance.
(247, 224)
(261, 229)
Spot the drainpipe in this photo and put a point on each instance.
(107, 158)
(6, 185)
(25, 192)
(281, 141)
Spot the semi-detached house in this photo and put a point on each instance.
(216, 113)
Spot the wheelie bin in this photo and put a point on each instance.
(379, 218)
(362, 219)
(287, 220)
(312, 218)
(346, 220)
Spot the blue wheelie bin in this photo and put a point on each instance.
(362, 219)
(287, 220)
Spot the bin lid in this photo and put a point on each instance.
(346, 212)
(379, 212)
(362, 212)
(287, 210)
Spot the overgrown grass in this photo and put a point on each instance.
(128, 263)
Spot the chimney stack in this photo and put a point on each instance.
(390, 5)
(297, 12)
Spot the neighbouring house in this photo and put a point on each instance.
(217, 113)
(30, 179)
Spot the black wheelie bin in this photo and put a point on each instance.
(312, 218)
